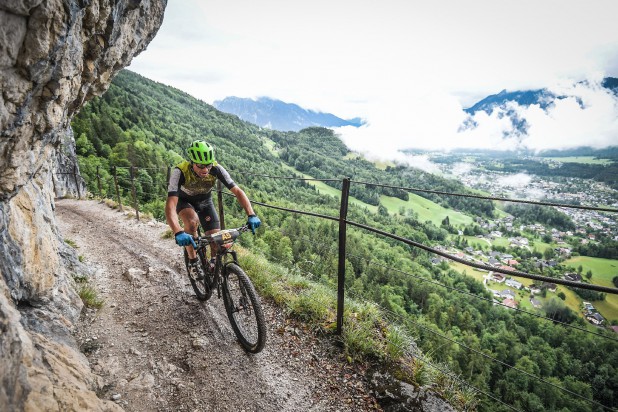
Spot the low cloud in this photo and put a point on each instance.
(461, 169)
(585, 115)
(514, 181)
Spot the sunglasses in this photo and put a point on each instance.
(201, 166)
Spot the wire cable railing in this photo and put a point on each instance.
(417, 354)
(500, 199)
(492, 301)
(518, 273)
(288, 177)
(409, 320)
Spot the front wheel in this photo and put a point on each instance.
(244, 309)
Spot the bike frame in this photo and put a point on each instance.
(220, 265)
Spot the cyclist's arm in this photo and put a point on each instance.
(173, 190)
(243, 200)
(170, 214)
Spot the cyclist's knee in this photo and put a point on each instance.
(191, 225)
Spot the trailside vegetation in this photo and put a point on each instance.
(142, 123)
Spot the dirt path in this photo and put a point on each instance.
(156, 347)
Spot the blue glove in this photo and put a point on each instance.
(184, 239)
(253, 222)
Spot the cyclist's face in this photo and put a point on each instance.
(201, 170)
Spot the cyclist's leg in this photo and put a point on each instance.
(209, 220)
(188, 215)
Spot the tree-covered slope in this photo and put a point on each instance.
(139, 122)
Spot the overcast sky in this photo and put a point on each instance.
(407, 67)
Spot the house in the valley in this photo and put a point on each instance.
(510, 303)
(594, 318)
(498, 277)
(507, 293)
(513, 283)
(549, 286)
(535, 303)
(588, 306)
(496, 293)
(573, 277)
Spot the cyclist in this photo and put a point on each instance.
(189, 196)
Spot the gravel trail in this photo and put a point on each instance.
(155, 347)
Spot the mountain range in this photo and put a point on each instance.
(542, 97)
(277, 115)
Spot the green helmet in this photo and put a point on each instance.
(201, 152)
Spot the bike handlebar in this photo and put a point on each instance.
(221, 237)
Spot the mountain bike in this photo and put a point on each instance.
(240, 299)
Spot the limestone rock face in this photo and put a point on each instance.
(54, 56)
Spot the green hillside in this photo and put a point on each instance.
(146, 124)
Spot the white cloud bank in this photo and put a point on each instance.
(407, 67)
(586, 116)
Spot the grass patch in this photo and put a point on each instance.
(71, 243)
(111, 204)
(467, 270)
(426, 210)
(167, 234)
(90, 297)
(368, 335)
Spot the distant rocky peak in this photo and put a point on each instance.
(278, 115)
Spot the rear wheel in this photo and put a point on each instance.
(244, 309)
(201, 287)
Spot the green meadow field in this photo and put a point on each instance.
(426, 209)
(603, 271)
(581, 159)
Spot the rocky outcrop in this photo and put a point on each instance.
(54, 56)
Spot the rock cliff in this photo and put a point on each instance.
(54, 56)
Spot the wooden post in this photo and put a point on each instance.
(79, 192)
(343, 214)
(220, 202)
(117, 191)
(99, 183)
(133, 171)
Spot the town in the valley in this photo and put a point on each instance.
(506, 243)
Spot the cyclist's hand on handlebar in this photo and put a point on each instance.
(184, 239)
(253, 222)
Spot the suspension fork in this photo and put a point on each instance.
(223, 266)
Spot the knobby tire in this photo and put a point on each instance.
(202, 288)
(244, 310)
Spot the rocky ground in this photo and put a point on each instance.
(155, 347)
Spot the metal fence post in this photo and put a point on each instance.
(117, 191)
(343, 215)
(99, 182)
(220, 201)
(135, 204)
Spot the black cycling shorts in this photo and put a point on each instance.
(205, 209)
